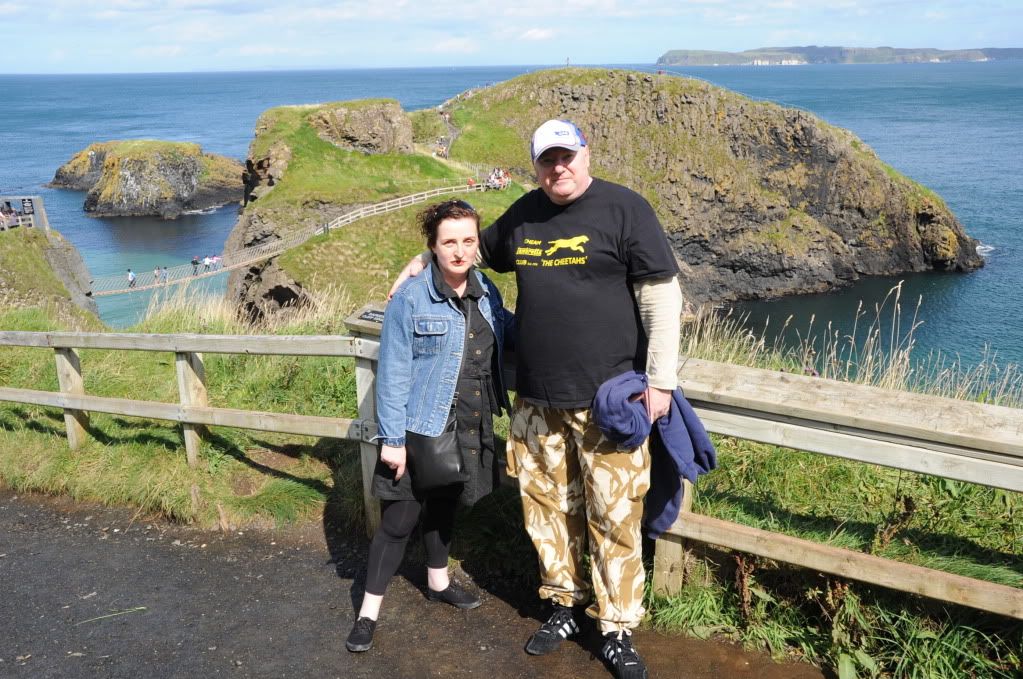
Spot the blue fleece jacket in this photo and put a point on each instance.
(679, 447)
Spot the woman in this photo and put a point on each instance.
(440, 357)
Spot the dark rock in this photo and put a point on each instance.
(138, 178)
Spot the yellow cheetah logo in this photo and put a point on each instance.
(568, 244)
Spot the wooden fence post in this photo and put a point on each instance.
(192, 389)
(670, 553)
(365, 382)
(69, 376)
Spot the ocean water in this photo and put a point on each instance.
(952, 127)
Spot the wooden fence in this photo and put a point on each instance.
(958, 440)
(193, 410)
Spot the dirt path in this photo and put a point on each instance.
(87, 591)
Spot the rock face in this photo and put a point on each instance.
(39, 269)
(68, 265)
(140, 178)
(370, 127)
(758, 200)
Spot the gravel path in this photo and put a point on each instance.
(87, 591)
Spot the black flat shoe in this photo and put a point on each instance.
(361, 637)
(454, 595)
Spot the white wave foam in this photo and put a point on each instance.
(984, 250)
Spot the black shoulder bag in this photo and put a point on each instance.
(435, 461)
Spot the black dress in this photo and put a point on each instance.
(476, 403)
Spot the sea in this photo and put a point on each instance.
(953, 127)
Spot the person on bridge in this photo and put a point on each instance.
(598, 296)
(195, 265)
(131, 278)
(439, 372)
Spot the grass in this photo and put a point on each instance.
(320, 172)
(365, 257)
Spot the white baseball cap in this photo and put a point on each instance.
(560, 134)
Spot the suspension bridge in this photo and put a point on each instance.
(236, 259)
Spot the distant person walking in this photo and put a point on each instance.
(206, 261)
(195, 265)
(156, 275)
(131, 278)
(164, 276)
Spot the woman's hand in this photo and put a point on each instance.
(394, 458)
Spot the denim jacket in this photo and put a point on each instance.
(421, 347)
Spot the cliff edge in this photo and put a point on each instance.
(42, 270)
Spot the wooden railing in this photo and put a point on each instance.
(953, 439)
(193, 410)
(960, 440)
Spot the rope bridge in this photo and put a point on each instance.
(237, 259)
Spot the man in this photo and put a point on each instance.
(597, 296)
(131, 278)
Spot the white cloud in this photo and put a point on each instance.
(194, 31)
(453, 46)
(268, 51)
(10, 8)
(58, 55)
(536, 34)
(160, 51)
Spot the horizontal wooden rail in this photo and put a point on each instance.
(307, 425)
(875, 570)
(283, 345)
(855, 407)
(866, 446)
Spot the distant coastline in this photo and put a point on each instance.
(812, 54)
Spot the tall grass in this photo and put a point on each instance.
(878, 350)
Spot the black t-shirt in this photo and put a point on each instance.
(578, 324)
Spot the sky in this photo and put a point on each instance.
(114, 36)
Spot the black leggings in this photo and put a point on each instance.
(398, 519)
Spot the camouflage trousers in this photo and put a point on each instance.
(578, 490)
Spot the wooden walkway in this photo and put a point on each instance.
(243, 257)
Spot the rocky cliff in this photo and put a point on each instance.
(42, 270)
(353, 130)
(758, 200)
(143, 177)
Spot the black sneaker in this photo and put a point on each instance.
(622, 657)
(454, 595)
(361, 637)
(558, 627)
